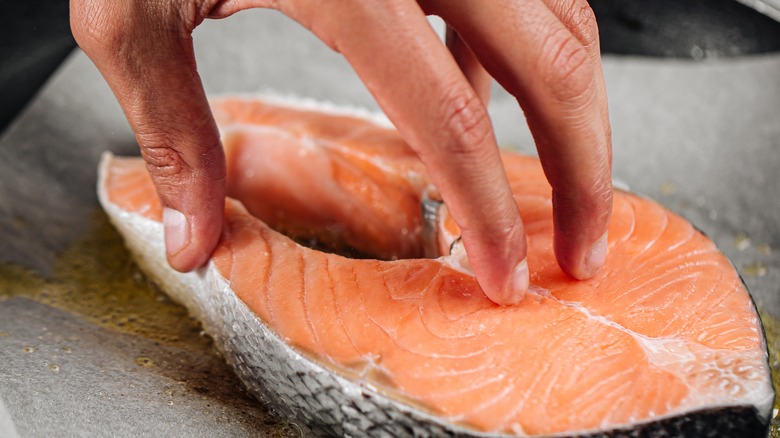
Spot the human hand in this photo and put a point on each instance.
(545, 53)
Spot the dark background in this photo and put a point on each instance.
(35, 37)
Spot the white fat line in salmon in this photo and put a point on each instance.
(673, 354)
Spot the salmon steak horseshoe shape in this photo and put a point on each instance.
(664, 341)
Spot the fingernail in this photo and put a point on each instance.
(596, 257)
(518, 283)
(177, 231)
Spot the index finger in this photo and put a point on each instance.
(425, 94)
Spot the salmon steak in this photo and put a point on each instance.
(339, 293)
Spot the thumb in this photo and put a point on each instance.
(190, 182)
(144, 51)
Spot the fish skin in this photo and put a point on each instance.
(325, 401)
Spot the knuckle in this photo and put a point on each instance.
(191, 13)
(567, 69)
(172, 159)
(466, 119)
(166, 165)
(105, 28)
(94, 27)
(579, 18)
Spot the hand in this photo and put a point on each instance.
(544, 52)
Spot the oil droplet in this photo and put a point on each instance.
(54, 367)
(741, 241)
(143, 361)
(19, 223)
(764, 249)
(170, 402)
(668, 188)
(29, 349)
(756, 269)
(66, 349)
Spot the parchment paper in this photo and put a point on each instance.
(701, 138)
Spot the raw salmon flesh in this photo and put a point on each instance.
(665, 341)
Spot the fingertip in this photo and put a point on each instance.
(498, 256)
(177, 240)
(595, 258)
(515, 288)
(177, 230)
(186, 247)
(591, 263)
